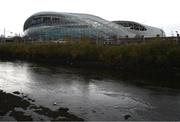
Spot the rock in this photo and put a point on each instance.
(14, 106)
(126, 117)
(29, 99)
(24, 95)
(32, 100)
(54, 103)
(63, 110)
(93, 111)
(16, 92)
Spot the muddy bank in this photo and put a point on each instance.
(17, 106)
(152, 57)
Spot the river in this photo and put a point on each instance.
(89, 95)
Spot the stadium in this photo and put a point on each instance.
(46, 26)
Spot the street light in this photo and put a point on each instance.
(177, 36)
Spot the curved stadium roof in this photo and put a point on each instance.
(57, 25)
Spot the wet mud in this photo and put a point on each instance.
(18, 106)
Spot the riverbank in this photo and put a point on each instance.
(17, 106)
(89, 94)
(153, 56)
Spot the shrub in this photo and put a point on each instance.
(152, 55)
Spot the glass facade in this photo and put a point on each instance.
(57, 26)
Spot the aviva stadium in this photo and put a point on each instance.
(58, 26)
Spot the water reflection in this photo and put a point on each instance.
(89, 94)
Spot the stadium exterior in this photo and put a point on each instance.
(140, 29)
(58, 26)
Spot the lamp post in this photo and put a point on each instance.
(177, 39)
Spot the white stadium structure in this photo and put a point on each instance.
(48, 26)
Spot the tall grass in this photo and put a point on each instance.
(153, 55)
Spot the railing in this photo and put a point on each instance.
(142, 40)
(119, 41)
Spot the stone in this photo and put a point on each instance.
(126, 117)
(93, 111)
(54, 103)
(16, 92)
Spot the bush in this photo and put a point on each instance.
(153, 55)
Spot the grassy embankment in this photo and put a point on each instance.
(155, 55)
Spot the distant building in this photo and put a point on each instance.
(141, 30)
(58, 26)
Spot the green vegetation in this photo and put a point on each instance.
(155, 55)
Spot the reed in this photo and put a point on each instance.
(152, 55)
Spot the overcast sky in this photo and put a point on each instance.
(164, 14)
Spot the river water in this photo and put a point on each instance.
(89, 95)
